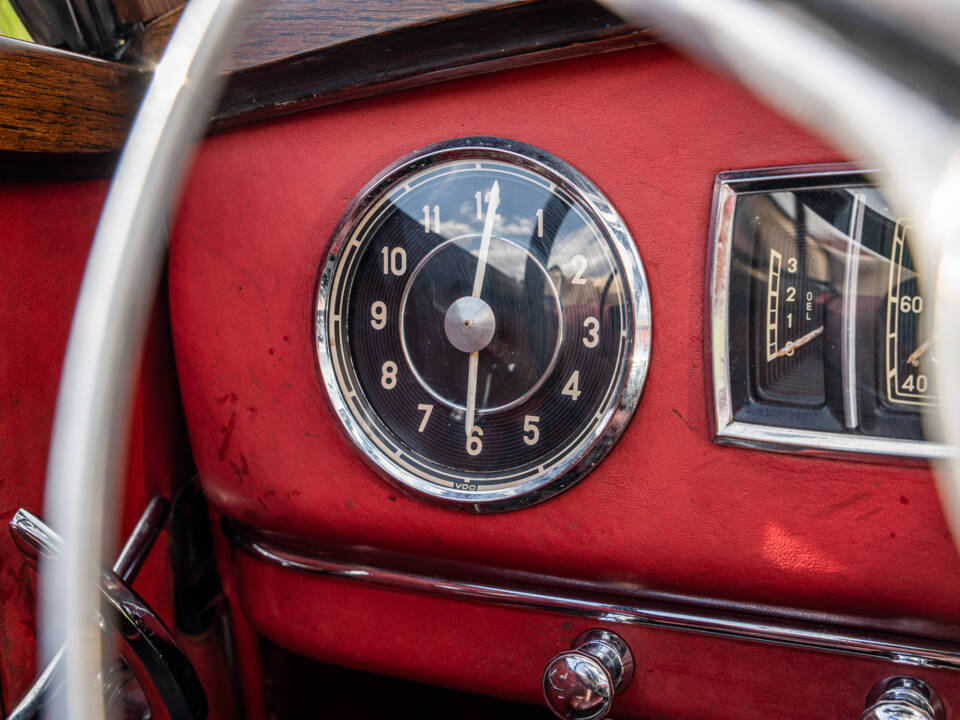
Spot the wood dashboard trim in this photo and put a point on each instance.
(77, 110)
(56, 101)
(486, 40)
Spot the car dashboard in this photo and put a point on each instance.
(539, 356)
(671, 541)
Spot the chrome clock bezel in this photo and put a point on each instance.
(628, 387)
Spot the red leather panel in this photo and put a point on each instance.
(668, 509)
(502, 652)
(46, 233)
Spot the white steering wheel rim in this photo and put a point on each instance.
(92, 417)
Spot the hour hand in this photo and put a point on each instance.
(471, 393)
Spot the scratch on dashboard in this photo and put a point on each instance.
(241, 470)
(869, 513)
(842, 505)
(227, 431)
(682, 419)
(663, 193)
(248, 278)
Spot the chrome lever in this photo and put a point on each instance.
(158, 659)
(34, 539)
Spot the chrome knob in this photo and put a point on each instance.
(902, 698)
(580, 684)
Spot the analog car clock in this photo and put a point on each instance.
(483, 324)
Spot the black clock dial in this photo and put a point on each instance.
(480, 327)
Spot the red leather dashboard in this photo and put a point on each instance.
(47, 229)
(668, 510)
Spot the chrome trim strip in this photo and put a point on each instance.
(851, 278)
(726, 430)
(824, 637)
(718, 299)
(770, 437)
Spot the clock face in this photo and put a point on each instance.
(483, 324)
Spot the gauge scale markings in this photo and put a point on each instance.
(907, 379)
(504, 438)
(789, 314)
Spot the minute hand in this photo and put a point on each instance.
(492, 205)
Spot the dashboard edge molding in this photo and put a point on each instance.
(896, 649)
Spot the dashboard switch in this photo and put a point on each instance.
(580, 684)
(903, 698)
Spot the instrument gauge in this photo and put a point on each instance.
(789, 310)
(909, 355)
(483, 324)
(820, 316)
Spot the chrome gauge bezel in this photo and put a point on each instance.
(627, 386)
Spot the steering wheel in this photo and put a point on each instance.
(879, 100)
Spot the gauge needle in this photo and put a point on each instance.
(915, 356)
(492, 205)
(794, 344)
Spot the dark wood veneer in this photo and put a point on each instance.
(285, 28)
(482, 41)
(281, 29)
(133, 11)
(300, 54)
